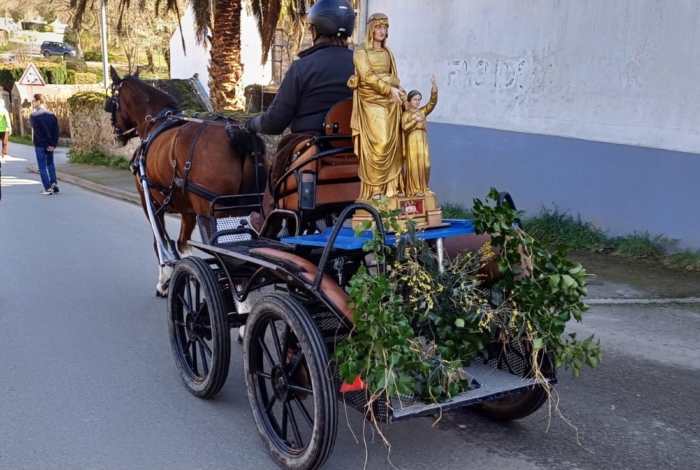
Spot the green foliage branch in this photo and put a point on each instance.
(417, 325)
(546, 287)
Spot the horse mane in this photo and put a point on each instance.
(147, 93)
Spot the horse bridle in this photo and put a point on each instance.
(111, 105)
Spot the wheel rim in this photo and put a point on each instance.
(192, 325)
(283, 388)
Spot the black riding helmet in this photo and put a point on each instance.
(332, 17)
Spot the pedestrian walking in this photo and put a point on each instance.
(45, 126)
(5, 129)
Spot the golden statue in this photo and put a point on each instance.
(416, 142)
(376, 115)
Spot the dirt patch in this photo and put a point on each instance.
(618, 277)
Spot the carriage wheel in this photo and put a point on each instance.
(199, 331)
(291, 393)
(516, 406)
(521, 404)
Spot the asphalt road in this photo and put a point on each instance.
(87, 379)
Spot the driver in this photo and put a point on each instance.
(313, 84)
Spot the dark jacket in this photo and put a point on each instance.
(312, 86)
(45, 127)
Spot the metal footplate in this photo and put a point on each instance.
(487, 384)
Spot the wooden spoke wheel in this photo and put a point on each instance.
(199, 331)
(292, 395)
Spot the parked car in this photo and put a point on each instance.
(49, 48)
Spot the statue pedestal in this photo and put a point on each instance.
(423, 210)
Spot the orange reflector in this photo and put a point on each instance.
(355, 386)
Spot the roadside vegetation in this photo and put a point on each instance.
(555, 227)
(21, 139)
(98, 159)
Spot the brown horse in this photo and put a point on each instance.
(186, 163)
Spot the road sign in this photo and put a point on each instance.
(31, 77)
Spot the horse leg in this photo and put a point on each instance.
(187, 225)
(164, 272)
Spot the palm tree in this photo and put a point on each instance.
(218, 22)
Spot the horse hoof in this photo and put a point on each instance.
(161, 293)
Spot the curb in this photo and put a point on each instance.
(99, 188)
(134, 198)
(687, 300)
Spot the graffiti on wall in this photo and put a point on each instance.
(488, 74)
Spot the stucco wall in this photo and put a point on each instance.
(621, 71)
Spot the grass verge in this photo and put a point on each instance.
(98, 159)
(21, 139)
(560, 227)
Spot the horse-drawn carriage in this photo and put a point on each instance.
(298, 276)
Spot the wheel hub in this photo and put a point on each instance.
(197, 327)
(280, 383)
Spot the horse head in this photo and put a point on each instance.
(123, 124)
(133, 105)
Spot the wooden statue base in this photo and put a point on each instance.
(423, 210)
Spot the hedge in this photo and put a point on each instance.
(96, 56)
(85, 78)
(53, 74)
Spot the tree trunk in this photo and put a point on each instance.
(225, 68)
(149, 58)
(79, 42)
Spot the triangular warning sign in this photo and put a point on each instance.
(31, 77)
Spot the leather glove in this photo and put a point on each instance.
(254, 124)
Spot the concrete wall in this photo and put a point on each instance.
(619, 188)
(195, 59)
(621, 71)
(590, 107)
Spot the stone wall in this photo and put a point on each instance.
(56, 101)
(91, 129)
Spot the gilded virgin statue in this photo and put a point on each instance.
(376, 117)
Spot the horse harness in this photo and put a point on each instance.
(169, 121)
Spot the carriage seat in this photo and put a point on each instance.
(337, 179)
(306, 269)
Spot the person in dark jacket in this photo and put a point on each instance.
(313, 84)
(45, 127)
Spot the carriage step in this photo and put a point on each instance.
(490, 384)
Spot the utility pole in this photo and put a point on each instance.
(103, 28)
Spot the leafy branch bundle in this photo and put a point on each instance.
(417, 325)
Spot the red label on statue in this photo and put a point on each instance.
(411, 207)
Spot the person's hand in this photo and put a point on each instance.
(50, 149)
(254, 124)
(433, 82)
(396, 95)
(418, 118)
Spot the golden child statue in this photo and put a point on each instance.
(376, 115)
(416, 142)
